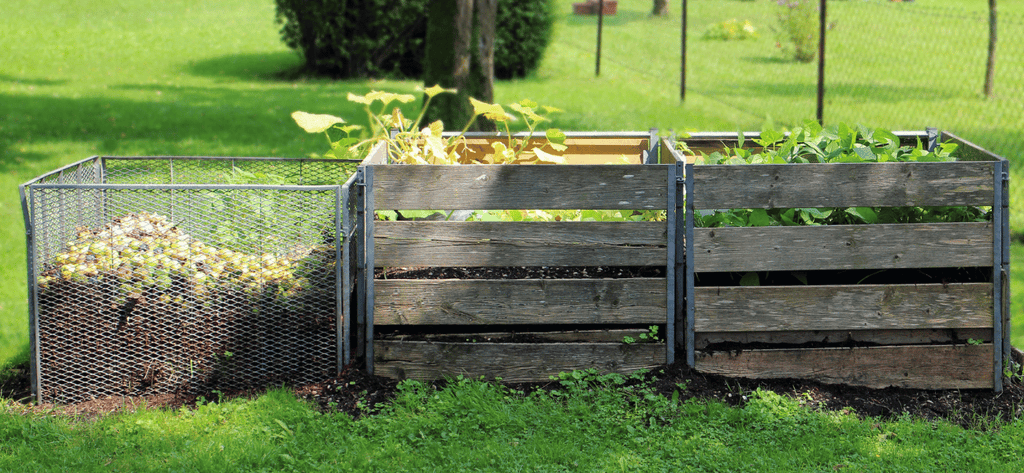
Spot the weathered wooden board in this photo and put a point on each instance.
(485, 187)
(918, 367)
(581, 150)
(843, 185)
(843, 247)
(855, 307)
(519, 301)
(415, 243)
(608, 336)
(512, 362)
(881, 337)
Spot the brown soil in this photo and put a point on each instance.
(358, 394)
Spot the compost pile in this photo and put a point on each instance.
(139, 307)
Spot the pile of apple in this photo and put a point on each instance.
(143, 251)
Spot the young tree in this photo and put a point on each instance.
(990, 67)
(460, 54)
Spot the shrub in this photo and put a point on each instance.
(386, 38)
(523, 33)
(798, 20)
(730, 30)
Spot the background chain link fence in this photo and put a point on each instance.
(160, 275)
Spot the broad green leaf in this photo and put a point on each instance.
(314, 122)
(528, 103)
(750, 279)
(350, 128)
(867, 214)
(548, 109)
(759, 218)
(387, 215)
(554, 135)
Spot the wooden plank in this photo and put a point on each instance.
(520, 301)
(608, 336)
(512, 362)
(852, 337)
(843, 247)
(424, 243)
(485, 187)
(856, 307)
(843, 185)
(917, 367)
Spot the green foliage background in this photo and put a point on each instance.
(386, 38)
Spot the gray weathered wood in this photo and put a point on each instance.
(843, 185)
(415, 243)
(856, 307)
(918, 367)
(512, 362)
(880, 337)
(520, 301)
(610, 336)
(843, 247)
(484, 187)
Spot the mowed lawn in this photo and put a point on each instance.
(174, 77)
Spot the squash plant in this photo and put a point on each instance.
(813, 143)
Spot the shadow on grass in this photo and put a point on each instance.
(280, 65)
(35, 82)
(192, 120)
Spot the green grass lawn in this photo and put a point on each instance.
(595, 425)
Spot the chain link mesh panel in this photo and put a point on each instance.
(153, 288)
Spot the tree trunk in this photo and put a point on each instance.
(990, 67)
(660, 8)
(453, 28)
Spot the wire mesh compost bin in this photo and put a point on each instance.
(514, 297)
(170, 274)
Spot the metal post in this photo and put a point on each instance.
(368, 271)
(340, 275)
(690, 356)
(682, 67)
(360, 241)
(670, 268)
(600, 26)
(1005, 262)
(997, 278)
(822, 26)
(30, 263)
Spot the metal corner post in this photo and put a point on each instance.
(690, 355)
(340, 276)
(1005, 262)
(29, 211)
(670, 268)
(360, 277)
(997, 277)
(368, 271)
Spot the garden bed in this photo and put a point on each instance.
(496, 309)
(944, 332)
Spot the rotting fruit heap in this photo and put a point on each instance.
(144, 252)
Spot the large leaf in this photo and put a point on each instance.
(315, 122)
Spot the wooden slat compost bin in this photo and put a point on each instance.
(942, 335)
(571, 323)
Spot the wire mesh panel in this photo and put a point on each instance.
(144, 289)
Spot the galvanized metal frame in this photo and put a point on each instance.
(73, 181)
(997, 277)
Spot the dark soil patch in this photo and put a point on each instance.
(358, 394)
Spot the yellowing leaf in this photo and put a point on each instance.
(363, 99)
(437, 127)
(315, 123)
(555, 136)
(548, 157)
(491, 111)
(437, 89)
